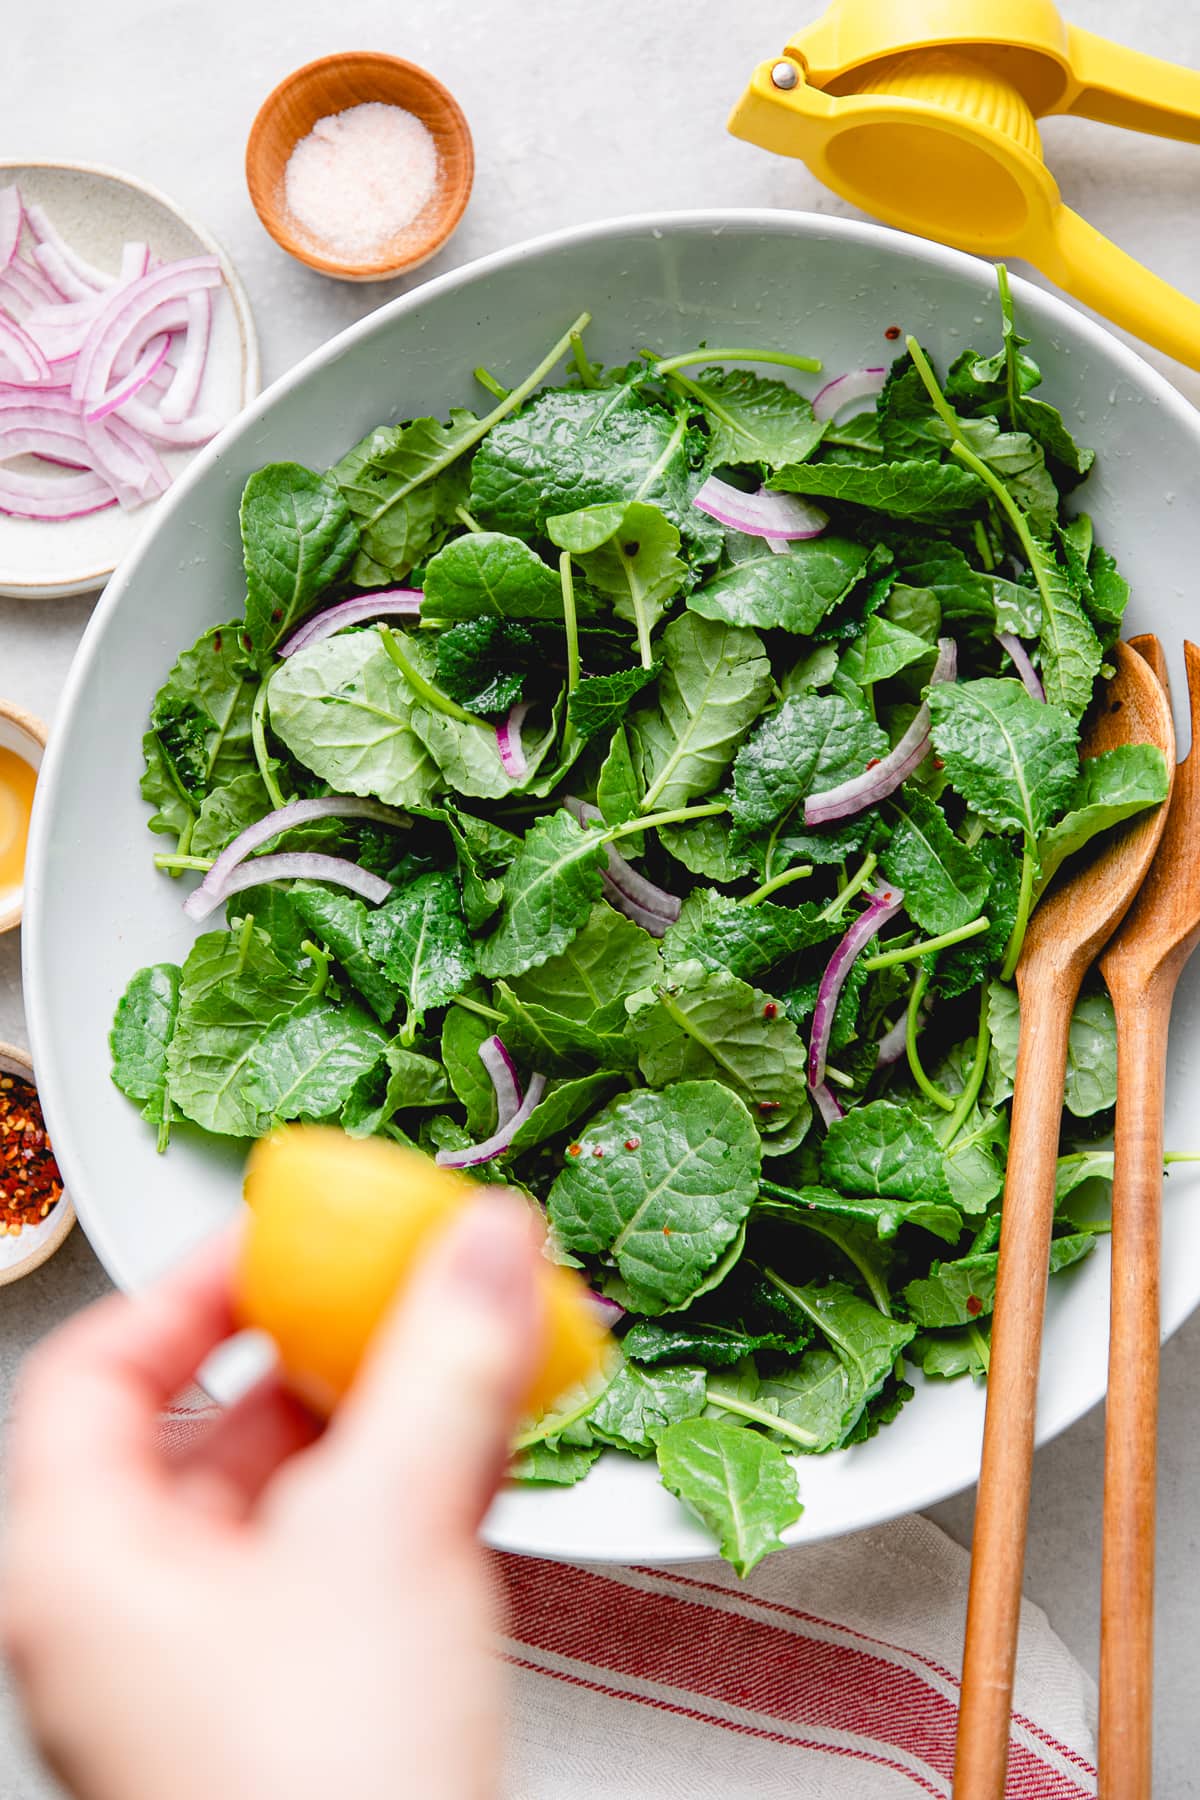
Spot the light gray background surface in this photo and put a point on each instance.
(579, 112)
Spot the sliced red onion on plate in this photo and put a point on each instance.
(141, 374)
(12, 218)
(500, 1066)
(21, 352)
(508, 743)
(1021, 662)
(225, 875)
(49, 497)
(876, 783)
(45, 233)
(765, 514)
(388, 602)
(881, 906)
(498, 1143)
(179, 401)
(855, 384)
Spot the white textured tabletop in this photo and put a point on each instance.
(578, 112)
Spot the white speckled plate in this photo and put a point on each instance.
(97, 210)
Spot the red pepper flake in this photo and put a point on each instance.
(599, 1150)
(770, 1010)
(769, 1106)
(892, 333)
(276, 615)
(633, 1143)
(574, 1149)
(216, 643)
(974, 1305)
(30, 1184)
(874, 762)
(666, 1231)
(938, 763)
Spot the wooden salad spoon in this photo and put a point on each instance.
(1066, 934)
(1141, 967)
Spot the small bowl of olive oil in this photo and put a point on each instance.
(22, 740)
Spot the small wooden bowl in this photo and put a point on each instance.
(331, 85)
(36, 1244)
(21, 732)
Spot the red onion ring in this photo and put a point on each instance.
(212, 890)
(499, 1141)
(508, 743)
(875, 784)
(764, 514)
(361, 610)
(299, 865)
(880, 908)
(500, 1066)
(1019, 656)
(855, 384)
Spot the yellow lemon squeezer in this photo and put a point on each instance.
(924, 113)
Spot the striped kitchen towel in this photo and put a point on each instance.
(830, 1674)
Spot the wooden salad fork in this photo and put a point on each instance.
(1141, 967)
(1066, 934)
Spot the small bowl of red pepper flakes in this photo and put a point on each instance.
(35, 1214)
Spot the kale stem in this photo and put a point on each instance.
(472, 524)
(886, 958)
(258, 738)
(982, 547)
(970, 1093)
(856, 883)
(488, 381)
(758, 1415)
(432, 696)
(321, 960)
(587, 370)
(941, 405)
(808, 365)
(679, 815)
(1174, 1156)
(929, 1088)
(1024, 906)
(570, 620)
(1010, 360)
(800, 873)
(509, 404)
(245, 937)
(174, 865)
(477, 1006)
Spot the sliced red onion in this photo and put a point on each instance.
(653, 908)
(132, 314)
(52, 497)
(827, 1102)
(388, 602)
(139, 376)
(508, 743)
(881, 906)
(131, 465)
(217, 882)
(12, 217)
(764, 514)
(500, 1139)
(500, 1066)
(295, 865)
(25, 282)
(60, 274)
(893, 1044)
(1021, 662)
(45, 233)
(608, 1312)
(855, 384)
(20, 351)
(147, 420)
(875, 784)
(180, 398)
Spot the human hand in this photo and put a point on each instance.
(276, 1612)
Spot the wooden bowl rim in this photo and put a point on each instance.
(15, 1061)
(32, 726)
(452, 122)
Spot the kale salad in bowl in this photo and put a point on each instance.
(635, 788)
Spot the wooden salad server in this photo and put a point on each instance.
(1066, 934)
(1141, 966)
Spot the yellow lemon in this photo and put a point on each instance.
(336, 1225)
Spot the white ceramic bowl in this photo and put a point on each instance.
(96, 910)
(97, 210)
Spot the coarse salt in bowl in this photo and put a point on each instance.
(360, 165)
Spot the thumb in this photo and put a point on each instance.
(427, 1424)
